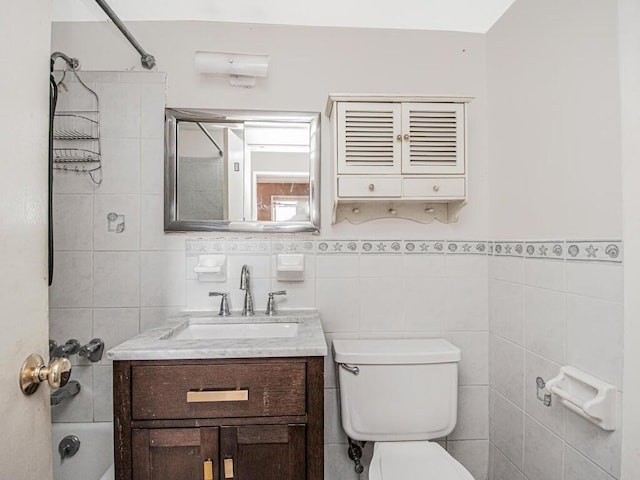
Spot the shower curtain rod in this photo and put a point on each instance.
(147, 60)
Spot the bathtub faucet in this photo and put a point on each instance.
(71, 389)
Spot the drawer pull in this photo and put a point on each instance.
(436, 188)
(228, 468)
(372, 187)
(218, 396)
(208, 469)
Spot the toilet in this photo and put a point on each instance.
(401, 393)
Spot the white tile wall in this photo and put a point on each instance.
(542, 312)
(72, 219)
(572, 316)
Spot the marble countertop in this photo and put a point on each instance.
(159, 343)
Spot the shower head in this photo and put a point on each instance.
(73, 63)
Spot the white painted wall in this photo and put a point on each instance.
(306, 64)
(555, 172)
(24, 50)
(629, 19)
(554, 120)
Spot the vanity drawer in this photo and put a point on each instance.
(369, 186)
(218, 390)
(434, 187)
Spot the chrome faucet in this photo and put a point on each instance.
(245, 284)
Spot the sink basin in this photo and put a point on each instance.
(215, 331)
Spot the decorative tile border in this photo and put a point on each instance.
(466, 246)
(508, 249)
(337, 246)
(436, 247)
(597, 250)
(381, 246)
(197, 246)
(584, 250)
(293, 246)
(555, 250)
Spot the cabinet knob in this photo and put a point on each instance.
(356, 211)
(399, 137)
(392, 211)
(436, 188)
(372, 187)
(406, 136)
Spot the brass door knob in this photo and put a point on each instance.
(34, 372)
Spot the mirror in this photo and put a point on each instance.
(242, 171)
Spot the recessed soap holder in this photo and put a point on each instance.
(211, 268)
(585, 395)
(290, 267)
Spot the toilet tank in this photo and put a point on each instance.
(404, 389)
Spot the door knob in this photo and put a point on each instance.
(34, 372)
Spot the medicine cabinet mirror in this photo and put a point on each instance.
(242, 171)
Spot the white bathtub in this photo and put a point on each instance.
(94, 460)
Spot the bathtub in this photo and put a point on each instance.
(94, 460)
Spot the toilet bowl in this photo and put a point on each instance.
(414, 461)
(401, 393)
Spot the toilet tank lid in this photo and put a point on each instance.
(395, 351)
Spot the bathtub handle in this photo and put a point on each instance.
(351, 368)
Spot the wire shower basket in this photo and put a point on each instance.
(76, 136)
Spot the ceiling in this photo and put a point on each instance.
(455, 15)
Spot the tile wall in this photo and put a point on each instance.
(546, 313)
(112, 284)
(99, 271)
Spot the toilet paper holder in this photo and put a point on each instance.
(585, 395)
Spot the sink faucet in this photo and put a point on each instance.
(247, 307)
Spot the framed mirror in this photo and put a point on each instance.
(241, 171)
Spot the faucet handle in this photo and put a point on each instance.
(224, 303)
(271, 304)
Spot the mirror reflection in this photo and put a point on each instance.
(241, 171)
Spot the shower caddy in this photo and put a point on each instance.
(76, 135)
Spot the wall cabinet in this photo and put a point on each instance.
(402, 156)
(237, 419)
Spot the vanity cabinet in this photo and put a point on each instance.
(251, 418)
(398, 155)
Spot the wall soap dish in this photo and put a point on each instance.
(585, 395)
(290, 267)
(211, 268)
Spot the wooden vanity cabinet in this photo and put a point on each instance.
(169, 419)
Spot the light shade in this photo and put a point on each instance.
(243, 68)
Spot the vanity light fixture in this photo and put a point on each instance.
(242, 68)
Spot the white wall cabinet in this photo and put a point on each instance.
(398, 156)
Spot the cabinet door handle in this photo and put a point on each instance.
(228, 468)
(208, 469)
(399, 137)
(218, 396)
(406, 136)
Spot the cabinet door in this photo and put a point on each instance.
(265, 452)
(369, 138)
(433, 138)
(174, 453)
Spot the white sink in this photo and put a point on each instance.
(214, 331)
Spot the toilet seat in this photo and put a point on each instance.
(421, 460)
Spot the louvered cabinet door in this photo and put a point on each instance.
(433, 138)
(369, 138)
